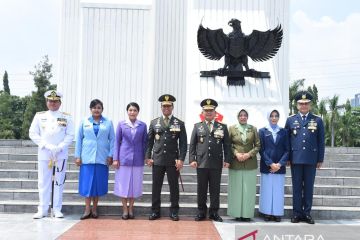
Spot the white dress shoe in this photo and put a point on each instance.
(39, 215)
(58, 214)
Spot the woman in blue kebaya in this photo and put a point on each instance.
(93, 153)
(274, 154)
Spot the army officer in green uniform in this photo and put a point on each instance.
(166, 151)
(209, 152)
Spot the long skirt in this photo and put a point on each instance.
(93, 180)
(129, 181)
(241, 193)
(272, 194)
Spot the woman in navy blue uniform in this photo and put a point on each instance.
(274, 154)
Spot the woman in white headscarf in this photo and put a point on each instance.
(274, 154)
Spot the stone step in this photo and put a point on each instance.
(25, 150)
(185, 197)
(28, 179)
(16, 143)
(186, 209)
(30, 154)
(32, 164)
(32, 173)
(329, 157)
(29, 143)
(72, 186)
(336, 150)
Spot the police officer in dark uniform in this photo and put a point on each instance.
(209, 152)
(166, 151)
(307, 140)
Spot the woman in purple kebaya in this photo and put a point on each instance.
(129, 158)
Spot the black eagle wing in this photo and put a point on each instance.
(262, 46)
(212, 43)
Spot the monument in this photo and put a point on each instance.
(236, 47)
(121, 51)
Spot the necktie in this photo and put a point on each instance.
(209, 124)
(303, 118)
(166, 121)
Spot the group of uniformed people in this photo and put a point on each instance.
(300, 144)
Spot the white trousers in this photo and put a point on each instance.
(44, 185)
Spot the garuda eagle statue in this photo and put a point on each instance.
(236, 46)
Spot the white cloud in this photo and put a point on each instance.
(327, 53)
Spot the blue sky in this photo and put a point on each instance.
(324, 42)
(336, 9)
(324, 45)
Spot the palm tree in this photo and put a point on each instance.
(334, 115)
(322, 108)
(293, 89)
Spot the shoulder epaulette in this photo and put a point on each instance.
(155, 119)
(42, 112)
(292, 115)
(65, 113)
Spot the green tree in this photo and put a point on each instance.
(356, 134)
(334, 115)
(42, 75)
(18, 106)
(314, 92)
(293, 89)
(322, 108)
(6, 83)
(6, 125)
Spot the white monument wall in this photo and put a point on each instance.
(122, 51)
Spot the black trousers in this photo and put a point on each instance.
(207, 177)
(158, 173)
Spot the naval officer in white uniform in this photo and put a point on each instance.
(53, 132)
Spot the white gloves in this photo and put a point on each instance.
(53, 148)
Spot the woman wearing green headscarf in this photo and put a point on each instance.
(245, 144)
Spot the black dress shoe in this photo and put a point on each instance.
(277, 219)
(238, 219)
(125, 216)
(154, 216)
(295, 219)
(94, 215)
(86, 216)
(246, 219)
(200, 217)
(131, 216)
(215, 217)
(174, 216)
(308, 219)
(267, 218)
